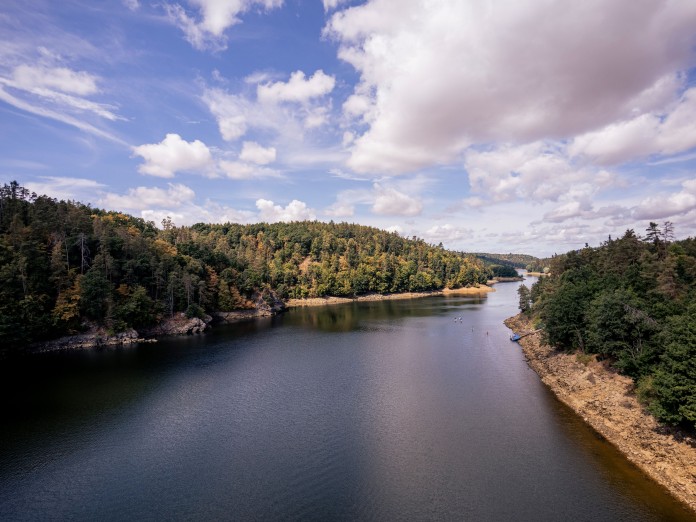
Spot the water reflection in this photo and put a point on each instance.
(371, 411)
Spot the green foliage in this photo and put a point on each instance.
(513, 260)
(64, 263)
(525, 299)
(504, 271)
(675, 379)
(630, 300)
(194, 310)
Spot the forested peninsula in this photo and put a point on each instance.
(67, 268)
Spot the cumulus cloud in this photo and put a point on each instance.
(297, 89)
(296, 210)
(390, 201)
(659, 132)
(446, 233)
(207, 30)
(664, 206)
(172, 155)
(286, 108)
(382, 198)
(329, 5)
(230, 111)
(537, 171)
(141, 198)
(436, 77)
(255, 153)
(241, 170)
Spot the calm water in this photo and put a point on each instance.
(377, 411)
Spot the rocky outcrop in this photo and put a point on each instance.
(607, 402)
(179, 324)
(265, 304)
(95, 337)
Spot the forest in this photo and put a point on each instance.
(66, 267)
(631, 301)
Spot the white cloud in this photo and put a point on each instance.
(383, 198)
(207, 31)
(58, 93)
(286, 108)
(664, 206)
(229, 110)
(330, 5)
(444, 75)
(294, 211)
(173, 155)
(446, 233)
(241, 170)
(210, 212)
(141, 198)
(657, 132)
(133, 5)
(390, 201)
(255, 153)
(30, 77)
(537, 171)
(57, 115)
(298, 88)
(66, 188)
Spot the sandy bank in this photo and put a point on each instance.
(322, 301)
(607, 402)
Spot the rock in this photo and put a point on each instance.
(179, 324)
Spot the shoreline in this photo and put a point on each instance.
(324, 301)
(606, 401)
(179, 325)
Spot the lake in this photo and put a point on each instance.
(391, 410)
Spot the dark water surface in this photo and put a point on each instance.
(375, 411)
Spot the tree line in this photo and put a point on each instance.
(631, 300)
(65, 266)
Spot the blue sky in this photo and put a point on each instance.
(526, 126)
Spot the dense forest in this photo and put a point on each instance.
(65, 266)
(509, 260)
(632, 301)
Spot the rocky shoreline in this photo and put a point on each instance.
(263, 305)
(607, 402)
(178, 324)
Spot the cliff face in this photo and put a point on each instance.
(607, 402)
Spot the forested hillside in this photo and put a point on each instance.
(65, 266)
(514, 260)
(633, 301)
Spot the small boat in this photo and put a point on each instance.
(515, 337)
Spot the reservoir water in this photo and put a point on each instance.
(392, 410)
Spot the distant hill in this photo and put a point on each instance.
(514, 260)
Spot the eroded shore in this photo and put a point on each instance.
(607, 402)
(323, 301)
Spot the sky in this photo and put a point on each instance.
(530, 126)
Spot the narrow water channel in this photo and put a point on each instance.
(397, 410)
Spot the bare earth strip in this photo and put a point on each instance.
(607, 402)
(322, 301)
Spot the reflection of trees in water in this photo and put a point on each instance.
(360, 315)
